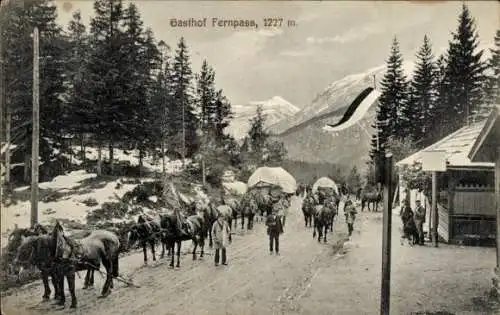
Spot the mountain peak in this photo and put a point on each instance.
(274, 109)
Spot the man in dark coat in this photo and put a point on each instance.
(419, 218)
(274, 230)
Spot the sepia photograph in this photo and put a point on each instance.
(249, 157)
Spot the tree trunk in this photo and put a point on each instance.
(163, 166)
(99, 158)
(111, 157)
(82, 147)
(27, 168)
(7, 152)
(204, 172)
(140, 159)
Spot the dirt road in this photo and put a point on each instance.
(254, 282)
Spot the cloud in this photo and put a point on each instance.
(296, 53)
(352, 35)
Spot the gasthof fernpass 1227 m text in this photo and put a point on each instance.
(231, 23)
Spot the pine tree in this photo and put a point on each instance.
(354, 179)
(18, 23)
(107, 70)
(392, 101)
(182, 115)
(257, 136)
(440, 120)
(492, 86)
(464, 73)
(78, 104)
(222, 115)
(423, 93)
(205, 92)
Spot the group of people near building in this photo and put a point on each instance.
(413, 219)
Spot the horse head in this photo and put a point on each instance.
(25, 255)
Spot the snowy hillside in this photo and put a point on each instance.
(337, 95)
(304, 138)
(274, 109)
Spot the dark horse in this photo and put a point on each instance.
(332, 203)
(374, 197)
(247, 207)
(323, 218)
(100, 246)
(37, 250)
(308, 210)
(195, 229)
(147, 231)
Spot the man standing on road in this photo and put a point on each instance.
(274, 230)
(419, 219)
(222, 236)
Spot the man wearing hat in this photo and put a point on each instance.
(419, 218)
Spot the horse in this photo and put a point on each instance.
(248, 208)
(322, 220)
(100, 246)
(195, 228)
(308, 210)
(37, 250)
(147, 231)
(371, 197)
(332, 203)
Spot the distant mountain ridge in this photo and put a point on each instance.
(274, 109)
(303, 133)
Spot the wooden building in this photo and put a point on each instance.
(466, 194)
(486, 148)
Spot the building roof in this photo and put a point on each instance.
(457, 147)
(485, 148)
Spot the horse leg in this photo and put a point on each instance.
(70, 278)
(144, 252)
(179, 243)
(60, 281)
(326, 232)
(210, 242)
(162, 248)
(171, 249)
(194, 249)
(202, 246)
(92, 277)
(106, 289)
(242, 221)
(46, 287)
(87, 280)
(152, 243)
(53, 275)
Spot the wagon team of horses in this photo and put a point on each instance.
(59, 256)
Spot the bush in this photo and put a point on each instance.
(90, 202)
(52, 196)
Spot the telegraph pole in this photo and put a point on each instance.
(385, 293)
(36, 129)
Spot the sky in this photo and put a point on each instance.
(330, 39)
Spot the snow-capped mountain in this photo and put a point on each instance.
(337, 95)
(302, 133)
(275, 109)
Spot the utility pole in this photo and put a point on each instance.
(386, 236)
(36, 129)
(434, 211)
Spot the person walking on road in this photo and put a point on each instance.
(419, 218)
(350, 215)
(274, 230)
(221, 237)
